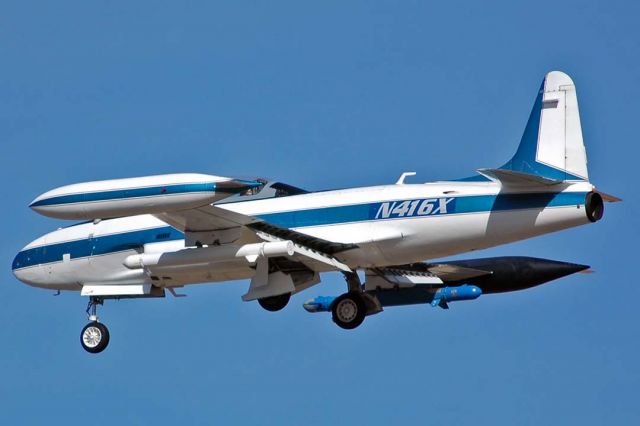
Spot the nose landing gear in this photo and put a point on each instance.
(94, 337)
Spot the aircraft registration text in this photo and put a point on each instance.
(411, 208)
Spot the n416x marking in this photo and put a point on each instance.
(410, 208)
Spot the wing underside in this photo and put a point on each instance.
(214, 226)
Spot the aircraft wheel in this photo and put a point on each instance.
(348, 311)
(275, 303)
(94, 337)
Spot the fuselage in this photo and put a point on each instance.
(391, 225)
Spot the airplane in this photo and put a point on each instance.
(142, 237)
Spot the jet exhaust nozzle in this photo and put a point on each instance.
(594, 206)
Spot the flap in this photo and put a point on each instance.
(314, 259)
(446, 272)
(324, 246)
(398, 277)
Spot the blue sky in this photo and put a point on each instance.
(321, 96)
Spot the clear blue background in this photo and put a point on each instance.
(318, 95)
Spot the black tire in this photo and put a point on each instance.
(97, 337)
(348, 311)
(275, 303)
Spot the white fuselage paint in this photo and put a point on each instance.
(424, 227)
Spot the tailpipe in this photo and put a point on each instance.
(594, 206)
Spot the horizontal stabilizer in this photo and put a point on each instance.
(609, 198)
(519, 179)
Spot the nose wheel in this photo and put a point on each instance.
(94, 337)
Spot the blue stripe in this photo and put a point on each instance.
(95, 246)
(293, 219)
(469, 204)
(126, 193)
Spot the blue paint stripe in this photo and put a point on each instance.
(293, 219)
(126, 193)
(95, 246)
(469, 204)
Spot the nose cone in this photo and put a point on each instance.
(319, 304)
(43, 203)
(27, 269)
(474, 292)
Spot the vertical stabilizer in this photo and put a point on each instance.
(551, 146)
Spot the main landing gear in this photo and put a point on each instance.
(94, 337)
(350, 309)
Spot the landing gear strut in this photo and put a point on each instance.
(94, 337)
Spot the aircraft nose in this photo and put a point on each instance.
(26, 272)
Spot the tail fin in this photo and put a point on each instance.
(551, 146)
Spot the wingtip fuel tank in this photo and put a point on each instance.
(511, 273)
(132, 196)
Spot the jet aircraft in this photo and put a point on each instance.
(142, 237)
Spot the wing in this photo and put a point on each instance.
(215, 225)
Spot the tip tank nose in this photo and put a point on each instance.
(319, 304)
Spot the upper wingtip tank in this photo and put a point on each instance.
(132, 196)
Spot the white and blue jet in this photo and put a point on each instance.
(144, 236)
